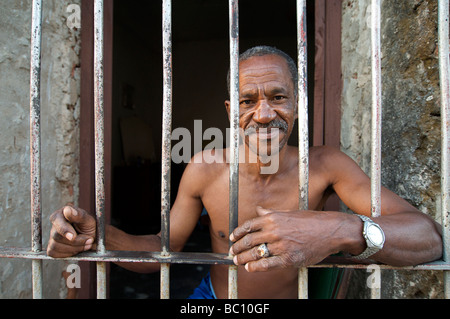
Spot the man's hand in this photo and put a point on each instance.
(73, 231)
(294, 239)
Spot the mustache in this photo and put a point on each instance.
(277, 123)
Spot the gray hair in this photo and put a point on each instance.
(268, 50)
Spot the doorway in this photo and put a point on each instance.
(200, 65)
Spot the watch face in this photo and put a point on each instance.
(375, 235)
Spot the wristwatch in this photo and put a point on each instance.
(374, 236)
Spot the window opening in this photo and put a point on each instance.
(165, 258)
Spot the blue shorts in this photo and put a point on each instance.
(205, 290)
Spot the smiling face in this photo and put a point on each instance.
(267, 103)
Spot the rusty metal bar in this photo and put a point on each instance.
(197, 259)
(166, 144)
(376, 110)
(303, 133)
(35, 145)
(125, 256)
(99, 143)
(234, 132)
(375, 169)
(444, 70)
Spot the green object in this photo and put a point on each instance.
(324, 282)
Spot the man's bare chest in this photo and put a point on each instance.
(276, 196)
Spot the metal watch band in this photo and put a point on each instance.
(366, 253)
(370, 250)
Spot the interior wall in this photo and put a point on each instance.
(200, 66)
(200, 59)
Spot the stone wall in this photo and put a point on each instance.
(411, 117)
(59, 141)
(411, 122)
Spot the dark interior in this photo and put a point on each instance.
(200, 66)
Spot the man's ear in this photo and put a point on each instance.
(227, 106)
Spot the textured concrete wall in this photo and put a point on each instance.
(410, 132)
(411, 117)
(59, 125)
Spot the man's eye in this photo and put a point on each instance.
(279, 97)
(246, 102)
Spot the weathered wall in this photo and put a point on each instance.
(411, 117)
(410, 128)
(59, 125)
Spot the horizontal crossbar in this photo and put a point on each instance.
(197, 258)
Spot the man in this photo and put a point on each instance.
(273, 237)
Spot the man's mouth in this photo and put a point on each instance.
(267, 131)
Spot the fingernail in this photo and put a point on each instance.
(69, 236)
(246, 266)
(87, 247)
(235, 260)
(89, 241)
(231, 237)
(230, 252)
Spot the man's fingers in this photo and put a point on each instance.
(249, 226)
(59, 247)
(82, 221)
(76, 215)
(265, 264)
(62, 226)
(79, 240)
(249, 241)
(251, 255)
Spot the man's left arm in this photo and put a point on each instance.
(411, 237)
(307, 237)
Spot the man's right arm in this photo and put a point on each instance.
(74, 231)
(117, 239)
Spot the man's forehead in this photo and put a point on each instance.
(268, 69)
(266, 63)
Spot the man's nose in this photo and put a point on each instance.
(264, 113)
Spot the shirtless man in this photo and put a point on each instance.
(268, 203)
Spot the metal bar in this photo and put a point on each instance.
(35, 145)
(234, 132)
(375, 178)
(165, 281)
(340, 262)
(166, 144)
(303, 134)
(125, 256)
(444, 70)
(376, 111)
(99, 143)
(197, 259)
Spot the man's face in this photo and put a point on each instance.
(267, 104)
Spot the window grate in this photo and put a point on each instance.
(165, 257)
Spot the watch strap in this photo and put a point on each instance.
(370, 250)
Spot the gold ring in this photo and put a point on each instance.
(263, 251)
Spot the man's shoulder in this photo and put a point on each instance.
(208, 161)
(325, 158)
(201, 172)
